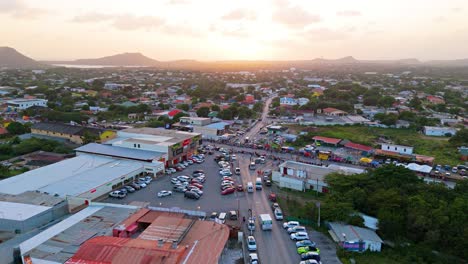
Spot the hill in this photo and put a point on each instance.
(11, 58)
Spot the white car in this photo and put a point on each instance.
(172, 170)
(296, 229)
(299, 236)
(117, 194)
(233, 157)
(142, 184)
(190, 162)
(175, 181)
(290, 224)
(253, 258)
(251, 243)
(183, 178)
(164, 193)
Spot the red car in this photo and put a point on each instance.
(228, 191)
(240, 188)
(200, 186)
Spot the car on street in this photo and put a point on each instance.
(117, 194)
(299, 236)
(296, 229)
(164, 193)
(290, 224)
(229, 186)
(311, 255)
(191, 195)
(274, 206)
(253, 258)
(278, 214)
(306, 249)
(251, 243)
(304, 243)
(251, 224)
(237, 171)
(240, 188)
(228, 191)
(310, 261)
(213, 216)
(233, 157)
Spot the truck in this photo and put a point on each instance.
(266, 222)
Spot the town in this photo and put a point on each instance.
(100, 165)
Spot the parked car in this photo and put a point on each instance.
(197, 191)
(268, 183)
(296, 229)
(196, 184)
(175, 181)
(192, 195)
(311, 255)
(135, 186)
(253, 258)
(224, 187)
(164, 193)
(278, 214)
(306, 249)
(183, 178)
(190, 162)
(304, 243)
(228, 191)
(129, 188)
(233, 215)
(123, 190)
(172, 170)
(299, 236)
(213, 216)
(290, 224)
(274, 206)
(310, 261)
(142, 184)
(117, 194)
(179, 189)
(251, 243)
(240, 188)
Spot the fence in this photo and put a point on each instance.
(301, 220)
(178, 210)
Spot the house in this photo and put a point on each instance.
(435, 100)
(354, 238)
(21, 104)
(288, 101)
(397, 148)
(174, 112)
(326, 140)
(362, 148)
(71, 133)
(249, 99)
(276, 130)
(195, 121)
(330, 111)
(439, 131)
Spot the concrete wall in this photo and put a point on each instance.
(73, 138)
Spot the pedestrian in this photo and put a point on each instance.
(243, 219)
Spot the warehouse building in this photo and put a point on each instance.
(81, 179)
(354, 238)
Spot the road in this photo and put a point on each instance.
(256, 128)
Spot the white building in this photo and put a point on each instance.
(397, 148)
(21, 104)
(439, 131)
(302, 176)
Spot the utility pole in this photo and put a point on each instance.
(318, 221)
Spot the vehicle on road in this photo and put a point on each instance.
(213, 216)
(310, 261)
(306, 249)
(191, 195)
(290, 224)
(252, 166)
(233, 215)
(274, 206)
(304, 243)
(250, 188)
(253, 258)
(265, 221)
(179, 189)
(251, 224)
(240, 188)
(299, 236)
(117, 194)
(251, 243)
(175, 181)
(237, 171)
(222, 217)
(228, 191)
(135, 186)
(278, 214)
(129, 188)
(164, 193)
(296, 229)
(258, 184)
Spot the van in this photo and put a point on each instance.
(222, 217)
(250, 187)
(258, 184)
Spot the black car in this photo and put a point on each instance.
(311, 255)
(268, 183)
(192, 195)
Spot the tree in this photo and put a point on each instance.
(89, 137)
(388, 120)
(460, 138)
(386, 101)
(16, 128)
(215, 108)
(258, 107)
(155, 123)
(177, 117)
(85, 107)
(203, 112)
(226, 114)
(184, 107)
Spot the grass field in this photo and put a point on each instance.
(437, 147)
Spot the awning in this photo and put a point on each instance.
(365, 160)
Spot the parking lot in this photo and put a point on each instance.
(210, 201)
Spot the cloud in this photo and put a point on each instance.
(295, 17)
(178, 2)
(125, 22)
(349, 13)
(237, 32)
(240, 14)
(327, 34)
(457, 9)
(440, 19)
(18, 9)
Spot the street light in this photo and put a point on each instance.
(318, 205)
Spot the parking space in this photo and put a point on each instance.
(211, 200)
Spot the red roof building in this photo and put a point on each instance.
(249, 99)
(435, 99)
(359, 147)
(3, 131)
(327, 140)
(174, 112)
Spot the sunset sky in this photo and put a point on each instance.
(240, 29)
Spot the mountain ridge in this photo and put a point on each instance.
(11, 58)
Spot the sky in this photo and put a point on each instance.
(236, 30)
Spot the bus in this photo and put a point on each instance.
(265, 221)
(252, 165)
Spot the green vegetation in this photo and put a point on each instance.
(6, 173)
(428, 216)
(440, 148)
(18, 147)
(15, 128)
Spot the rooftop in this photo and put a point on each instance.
(157, 134)
(318, 172)
(327, 139)
(20, 211)
(120, 152)
(218, 125)
(353, 233)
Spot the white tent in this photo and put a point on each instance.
(419, 168)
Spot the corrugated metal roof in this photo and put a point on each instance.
(121, 152)
(168, 228)
(354, 233)
(133, 218)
